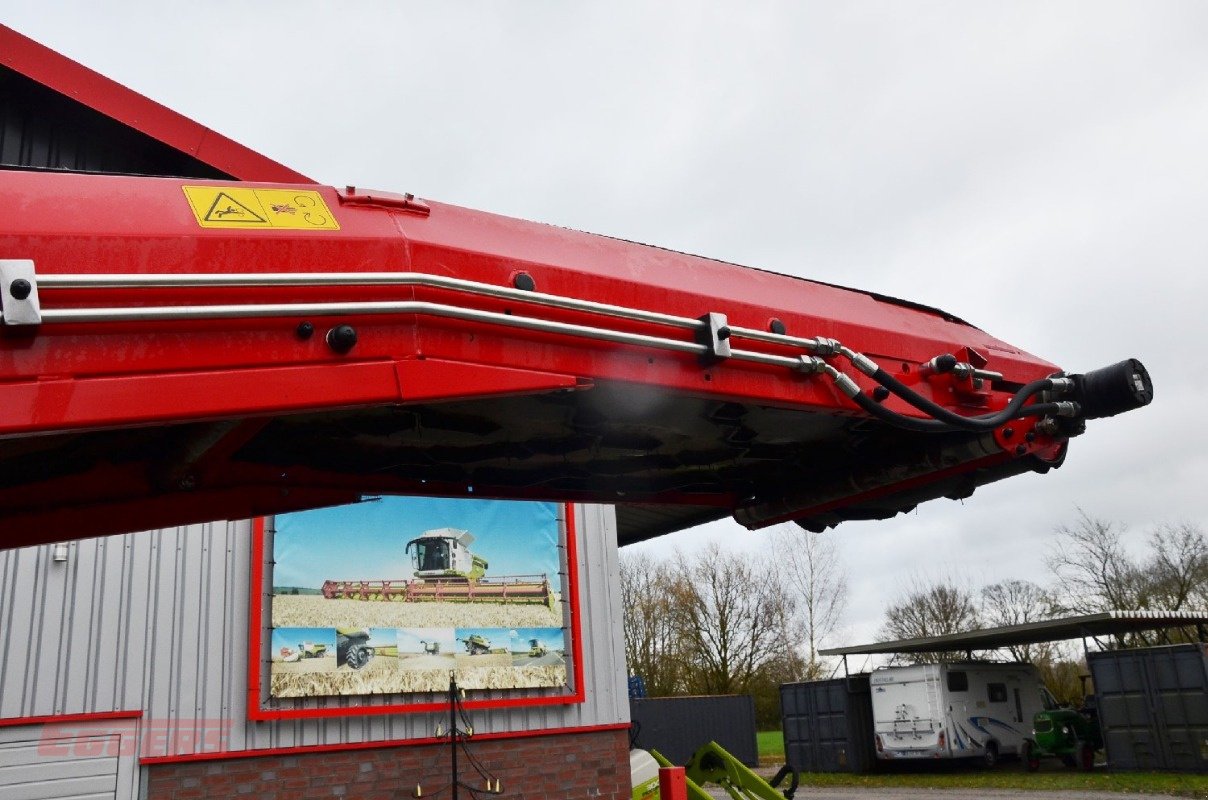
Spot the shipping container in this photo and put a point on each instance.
(1153, 706)
(677, 726)
(828, 725)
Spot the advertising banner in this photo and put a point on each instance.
(393, 594)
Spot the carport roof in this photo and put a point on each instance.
(1107, 623)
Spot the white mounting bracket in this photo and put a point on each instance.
(19, 304)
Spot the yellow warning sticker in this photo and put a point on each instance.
(234, 207)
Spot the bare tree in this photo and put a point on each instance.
(813, 572)
(1094, 572)
(715, 622)
(1016, 602)
(1061, 675)
(652, 646)
(931, 609)
(732, 615)
(1177, 570)
(789, 667)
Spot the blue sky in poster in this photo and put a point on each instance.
(366, 541)
(553, 638)
(409, 639)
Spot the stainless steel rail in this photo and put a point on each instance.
(204, 280)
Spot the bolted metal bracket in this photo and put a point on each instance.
(715, 335)
(19, 304)
(350, 196)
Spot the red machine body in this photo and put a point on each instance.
(178, 372)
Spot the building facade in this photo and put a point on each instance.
(126, 671)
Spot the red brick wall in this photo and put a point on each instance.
(587, 765)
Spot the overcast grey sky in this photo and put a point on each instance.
(1038, 169)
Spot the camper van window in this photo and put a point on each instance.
(997, 691)
(958, 681)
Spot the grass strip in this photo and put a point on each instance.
(1166, 783)
(1010, 775)
(770, 746)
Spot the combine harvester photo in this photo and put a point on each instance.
(477, 645)
(446, 570)
(303, 651)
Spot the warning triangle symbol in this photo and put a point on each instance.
(227, 209)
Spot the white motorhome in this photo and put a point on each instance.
(959, 710)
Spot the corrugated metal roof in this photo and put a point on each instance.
(41, 144)
(1106, 623)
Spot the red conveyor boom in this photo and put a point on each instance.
(156, 370)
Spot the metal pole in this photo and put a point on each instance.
(453, 728)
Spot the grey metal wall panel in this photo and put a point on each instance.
(828, 725)
(677, 726)
(25, 774)
(1153, 706)
(38, 763)
(604, 664)
(158, 622)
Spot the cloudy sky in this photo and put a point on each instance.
(1038, 169)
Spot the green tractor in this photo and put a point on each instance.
(1071, 735)
(536, 649)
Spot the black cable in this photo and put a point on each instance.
(474, 762)
(461, 712)
(786, 771)
(463, 740)
(900, 420)
(936, 426)
(983, 422)
(478, 767)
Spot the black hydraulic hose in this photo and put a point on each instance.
(785, 771)
(984, 422)
(900, 420)
(937, 426)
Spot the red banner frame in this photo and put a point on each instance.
(256, 664)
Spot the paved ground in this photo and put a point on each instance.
(887, 793)
(851, 793)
